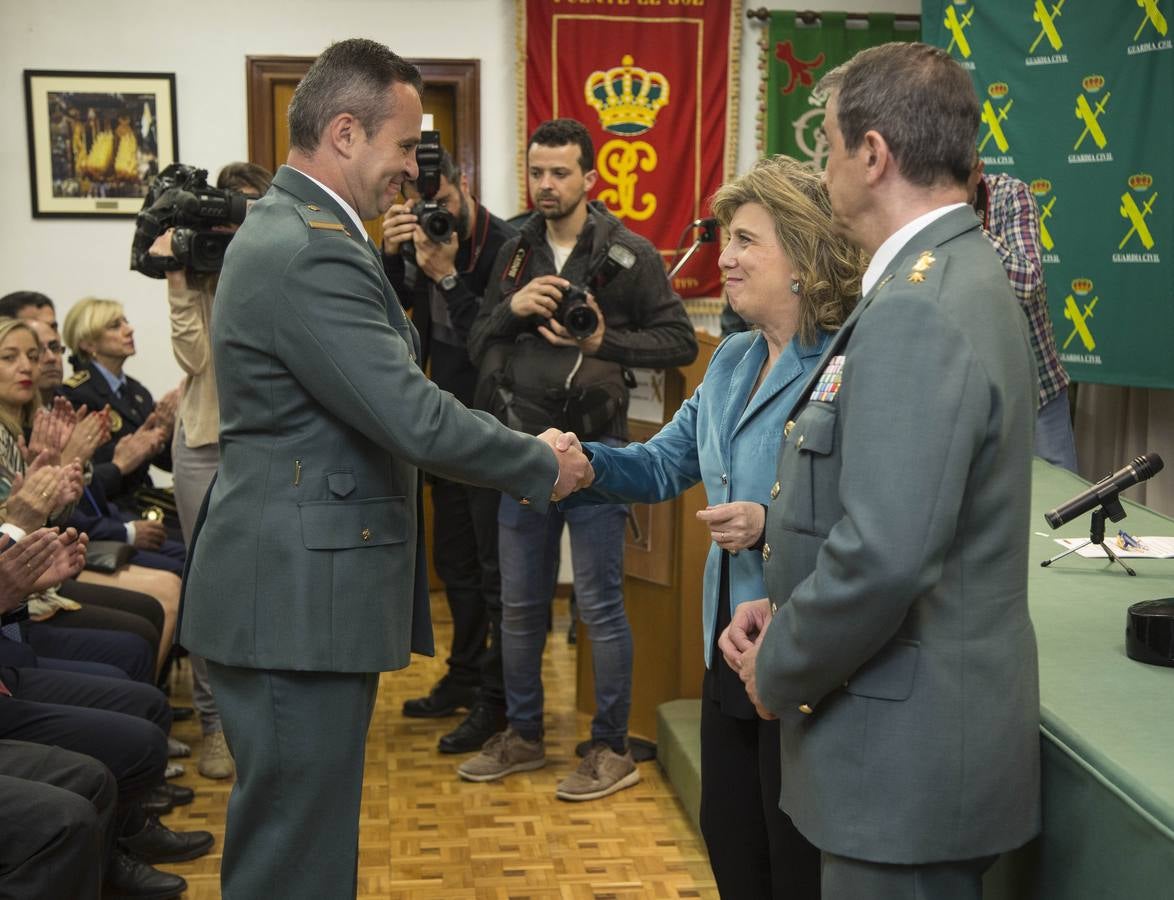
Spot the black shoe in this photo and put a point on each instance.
(483, 722)
(129, 879)
(164, 797)
(181, 713)
(157, 843)
(444, 700)
(158, 802)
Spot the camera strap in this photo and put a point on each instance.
(515, 271)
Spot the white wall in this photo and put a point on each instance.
(206, 45)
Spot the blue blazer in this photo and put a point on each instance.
(718, 438)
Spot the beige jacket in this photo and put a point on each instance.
(191, 342)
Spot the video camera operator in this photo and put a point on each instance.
(575, 299)
(194, 449)
(443, 283)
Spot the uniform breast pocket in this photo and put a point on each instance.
(339, 525)
(809, 472)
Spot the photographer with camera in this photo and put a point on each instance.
(573, 301)
(195, 451)
(438, 253)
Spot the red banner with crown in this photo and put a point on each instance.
(655, 82)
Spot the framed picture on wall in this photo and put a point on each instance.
(97, 139)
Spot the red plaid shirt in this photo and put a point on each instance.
(1011, 224)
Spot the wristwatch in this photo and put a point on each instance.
(448, 282)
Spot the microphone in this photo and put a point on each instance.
(708, 228)
(1105, 491)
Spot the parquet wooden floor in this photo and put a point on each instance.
(428, 835)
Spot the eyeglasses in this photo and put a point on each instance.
(55, 347)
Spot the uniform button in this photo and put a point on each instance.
(787, 428)
(774, 491)
(725, 478)
(774, 608)
(805, 709)
(765, 552)
(525, 501)
(799, 443)
(365, 534)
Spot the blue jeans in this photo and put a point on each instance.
(528, 546)
(1054, 440)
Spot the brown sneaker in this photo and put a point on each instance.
(505, 752)
(215, 760)
(602, 772)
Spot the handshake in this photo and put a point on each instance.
(574, 469)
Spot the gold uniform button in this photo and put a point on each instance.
(787, 428)
(774, 491)
(805, 709)
(365, 534)
(799, 443)
(774, 608)
(525, 501)
(765, 552)
(312, 207)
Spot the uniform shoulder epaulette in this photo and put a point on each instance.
(77, 379)
(320, 219)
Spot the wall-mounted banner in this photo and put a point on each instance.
(798, 49)
(1076, 101)
(655, 82)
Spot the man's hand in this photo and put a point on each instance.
(538, 297)
(749, 675)
(734, 526)
(149, 534)
(748, 622)
(398, 226)
(574, 471)
(71, 485)
(162, 247)
(555, 333)
(23, 564)
(436, 260)
(68, 559)
(32, 498)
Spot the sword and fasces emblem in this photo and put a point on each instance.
(993, 120)
(1047, 22)
(1081, 287)
(1135, 214)
(1045, 236)
(957, 28)
(1152, 15)
(1091, 118)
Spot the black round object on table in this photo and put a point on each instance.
(1149, 632)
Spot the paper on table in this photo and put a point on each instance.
(1152, 548)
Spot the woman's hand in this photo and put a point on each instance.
(734, 526)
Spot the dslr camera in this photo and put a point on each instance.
(435, 221)
(181, 198)
(573, 313)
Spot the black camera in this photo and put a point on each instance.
(573, 313)
(181, 198)
(435, 221)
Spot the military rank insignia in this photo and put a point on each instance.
(924, 263)
(829, 381)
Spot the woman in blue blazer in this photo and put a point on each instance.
(788, 274)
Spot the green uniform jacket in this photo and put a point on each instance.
(311, 554)
(901, 660)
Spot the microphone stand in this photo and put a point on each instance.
(707, 234)
(1110, 509)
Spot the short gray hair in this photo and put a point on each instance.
(919, 99)
(350, 76)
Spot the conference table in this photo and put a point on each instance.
(1106, 721)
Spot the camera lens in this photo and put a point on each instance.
(581, 321)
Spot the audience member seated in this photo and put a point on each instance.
(101, 341)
